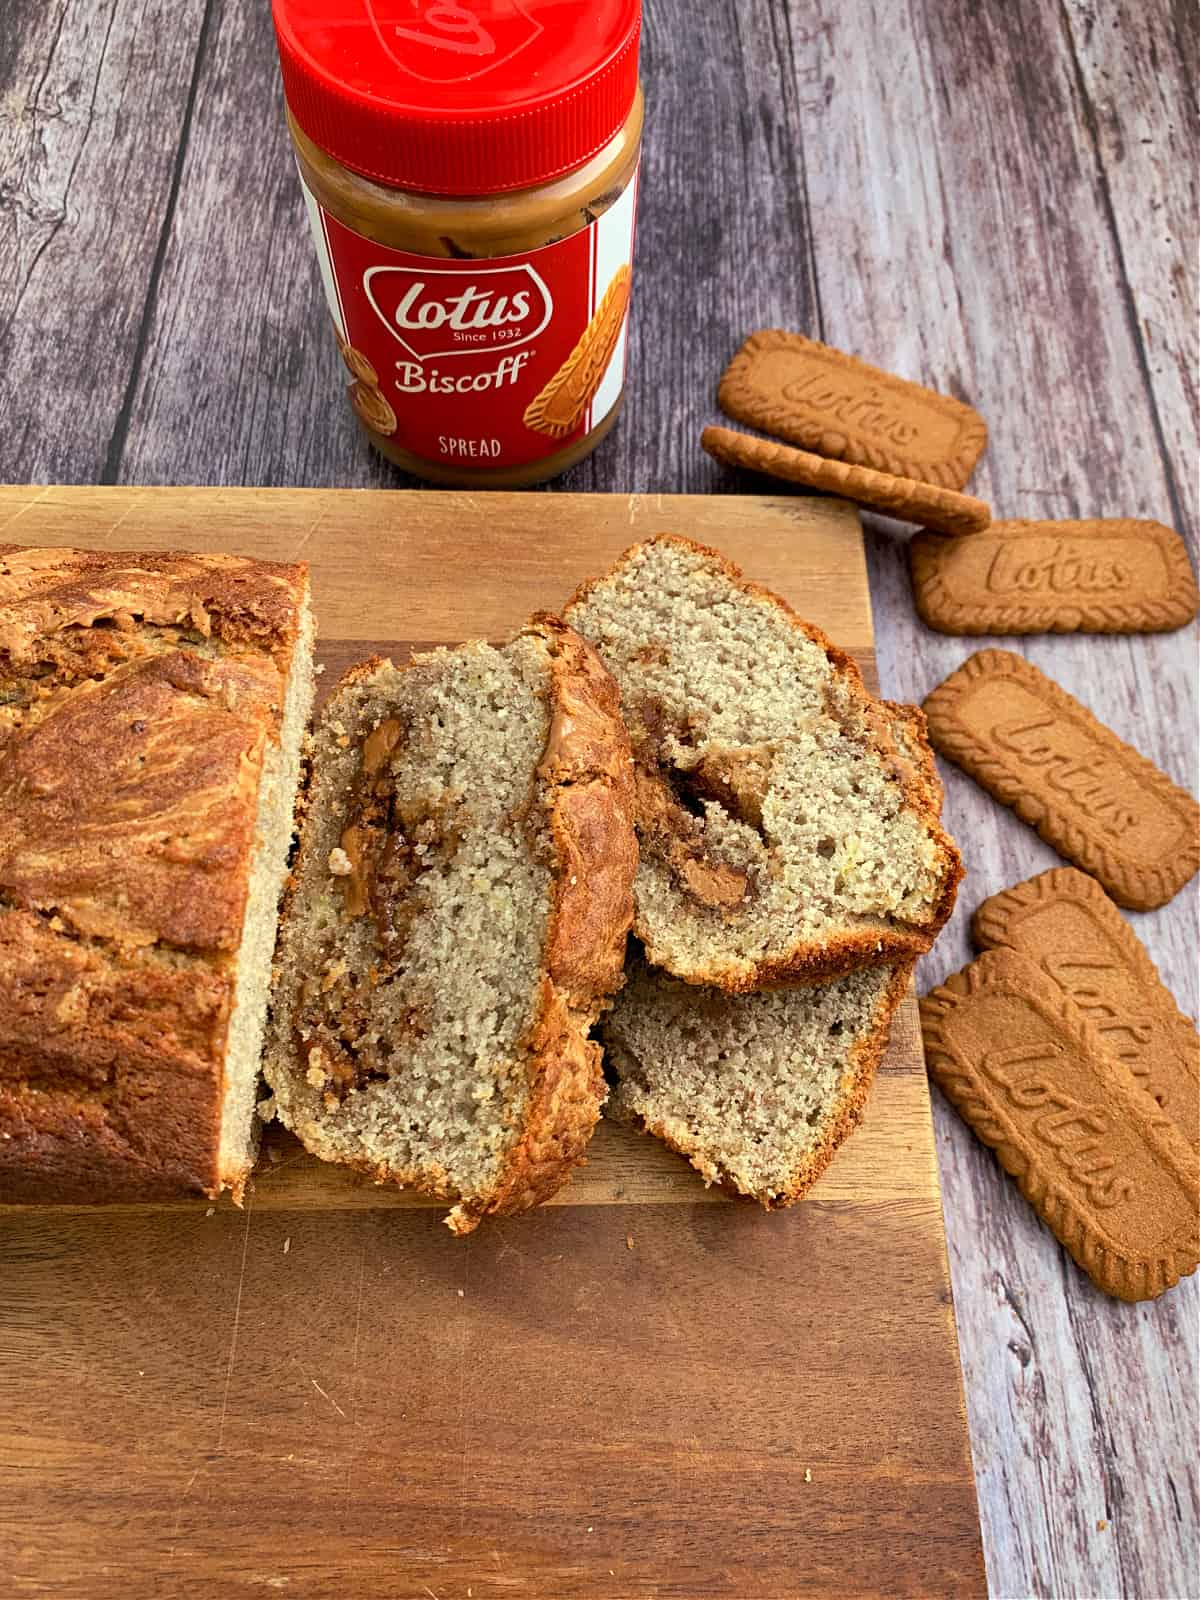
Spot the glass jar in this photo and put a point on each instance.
(470, 173)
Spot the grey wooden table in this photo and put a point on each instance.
(997, 198)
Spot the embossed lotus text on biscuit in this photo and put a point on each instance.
(842, 408)
(1087, 980)
(1105, 1169)
(1050, 1093)
(1087, 792)
(1073, 1129)
(1111, 575)
(1063, 568)
(1064, 922)
(1085, 782)
(850, 405)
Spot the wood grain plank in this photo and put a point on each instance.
(359, 1404)
(93, 94)
(723, 238)
(243, 386)
(1136, 69)
(985, 264)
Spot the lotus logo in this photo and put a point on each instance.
(447, 312)
(440, 41)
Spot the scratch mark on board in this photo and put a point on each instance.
(362, 1269)
(237, 1316)
(462, 1393)
(179, 1513)
(309, 536)
(28, 506)
(134, 504)
(278, 1166)
(326, 1396)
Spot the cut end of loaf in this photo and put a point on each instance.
(788, 822)
(757, 1091)
(274, 829)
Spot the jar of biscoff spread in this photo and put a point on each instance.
(470, 172)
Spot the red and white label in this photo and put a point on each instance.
(462, 350)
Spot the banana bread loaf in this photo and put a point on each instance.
(152, 709)
(458, 915)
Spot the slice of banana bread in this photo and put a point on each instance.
(152, 709)
(460, 906)
(788, 822)
(756, 1090)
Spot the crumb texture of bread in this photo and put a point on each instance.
(458, 915)
(151, 715)
(788, 822)
(756, 1090)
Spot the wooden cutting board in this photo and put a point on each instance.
(641, 1390)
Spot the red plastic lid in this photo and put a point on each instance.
(459, 96)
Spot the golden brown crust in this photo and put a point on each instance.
(915, 758)
(137, 696)
(45, 594)
(911, 732)
(154, 768)
(852, 1104)
(914, 768)
(566, 1093)
(588, 768)
(587, 777)
(109, 1068)
(843, 955)
(840, 658)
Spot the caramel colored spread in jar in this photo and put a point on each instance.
(470, 173)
